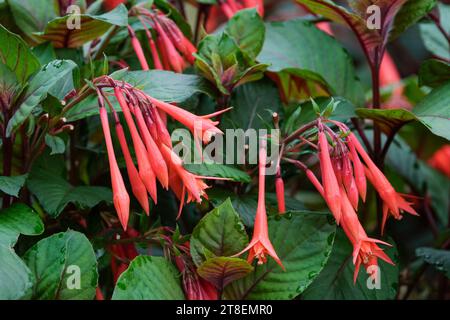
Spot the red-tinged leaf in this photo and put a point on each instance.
(221, 271)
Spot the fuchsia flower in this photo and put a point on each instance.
(329, 180)
(365, 249)
(121, 199)
(393, 202)
(279, 189)
(138, 49)
(260, 245)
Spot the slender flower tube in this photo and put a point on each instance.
(260, 245)
(145, 170)
(358, 167)
(393, 203)
(138, 49)
(226, 9)
(349, 182)
(164, 55)
(154, 155)
(155, 55)
(121, 199)
(138, 187)
(329, 180)
(279, 189)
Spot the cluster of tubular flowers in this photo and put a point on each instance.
(230, 7)
(345, 168)
(156, 160)
(169, 47)
(260, 246)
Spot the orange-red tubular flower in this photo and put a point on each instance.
(174, 58)
(349, 182)
(279, 189)
(137, 186)
(138, 49)
(358, 168)
(154, 155)
(365, 249)
(145, 170)
(393, 202)
(441, 160)
(260, 244)
(155, 55)
(199, 125)
(121, 199)
(329, 180)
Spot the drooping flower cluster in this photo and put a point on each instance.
(169, 47)
(156, 160)
(345, 168)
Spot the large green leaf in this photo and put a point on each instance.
(38, 88)
(47, 183)
(18, 219)
(16, 55)
(440, 259)
(163, 85)
(299, 48)
(433, 112)
(219, 233)
(221, 271)
(253, 105)
(218, 170)
(433, 38)
(149, 278)
(411, 12)
(303, 242)
(12, 185)
(64, 266)
(91, 27)
(247, 28)
(16, 280)
(335, 282)
(32, 16)
(434, 73)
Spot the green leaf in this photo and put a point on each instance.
(303, 242)
(221, 271)
(218, 170)
(16, 55)
(47, 183)
(18, 219)
(411, 12)
(60, 35)
(42, 12)
(219, 233)
(247, 28)
(335, 282)
(64, 266)
(164, 85)
(56, 144)
(15, 277)
(38, 88)
(12, 185)
(433, 111)
(440, 259)
(149, 278)
(432, 37)
(434, 73)
(322, 60)
(389, 120)
(253, 105)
